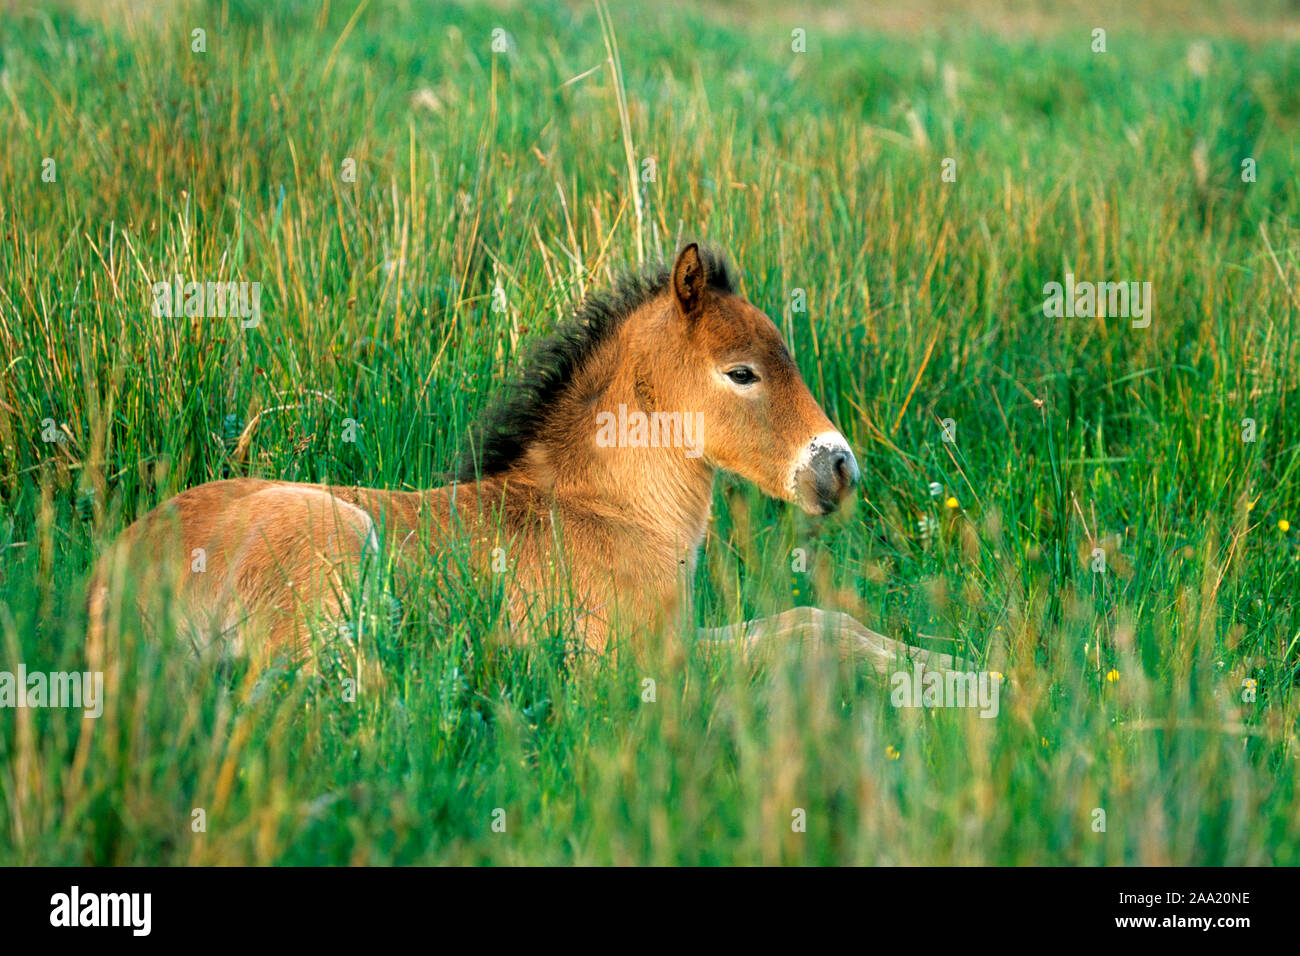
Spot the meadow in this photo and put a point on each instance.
(424, 189)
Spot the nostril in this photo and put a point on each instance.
(844, 471)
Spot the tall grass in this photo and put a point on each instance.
(524, 171)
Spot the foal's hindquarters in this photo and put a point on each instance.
(238, 568)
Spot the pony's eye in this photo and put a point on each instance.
(742, 375)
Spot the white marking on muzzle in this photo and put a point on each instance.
(831, 439)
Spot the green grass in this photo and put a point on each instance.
(817, 171)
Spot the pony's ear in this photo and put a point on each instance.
(689, 281)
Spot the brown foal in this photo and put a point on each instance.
(596, 467)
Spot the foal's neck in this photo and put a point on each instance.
(663, 494)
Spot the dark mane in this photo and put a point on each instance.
(513, 418)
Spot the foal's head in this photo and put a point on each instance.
(715, 354)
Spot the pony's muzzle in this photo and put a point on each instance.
(827, 475)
